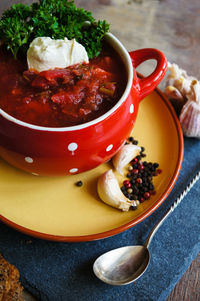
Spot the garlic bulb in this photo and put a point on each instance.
(110, 192)
(179, 79)
(124, 156)
(184, 94)
(190, 113)
(190, 119)
(178, 86)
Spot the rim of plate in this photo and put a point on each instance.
(122, 228)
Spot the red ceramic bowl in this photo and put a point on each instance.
(69, 150)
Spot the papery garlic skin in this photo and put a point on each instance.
(176, 72)
(190, 113)
(110, 192)
(124, 156)
(190, 119)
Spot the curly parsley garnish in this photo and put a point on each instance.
(57, 19)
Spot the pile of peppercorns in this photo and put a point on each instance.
(139, 185)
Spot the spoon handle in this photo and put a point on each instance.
(174, 205)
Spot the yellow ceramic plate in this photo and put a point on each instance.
(56, 209)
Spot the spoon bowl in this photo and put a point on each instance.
(123, 265)
(126, 264)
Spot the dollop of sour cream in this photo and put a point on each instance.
(45, 53)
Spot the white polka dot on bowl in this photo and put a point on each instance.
(72, 146)
(28, 159)
(109, 147)
(35, 174)
(131, 108)
(73, 170)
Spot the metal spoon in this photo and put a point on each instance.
(124, 265)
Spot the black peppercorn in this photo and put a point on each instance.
(79, 183)
(140, 174)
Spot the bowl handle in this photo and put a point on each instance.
(146, 85)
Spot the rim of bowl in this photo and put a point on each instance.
(123, 53)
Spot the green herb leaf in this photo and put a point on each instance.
(57, 19)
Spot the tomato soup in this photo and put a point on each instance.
(61, 97)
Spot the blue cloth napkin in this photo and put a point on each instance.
(63, 271)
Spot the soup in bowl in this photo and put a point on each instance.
(70, 120)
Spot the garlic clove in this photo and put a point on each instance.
(183, 84)
(110, 192)
(176, 98)
(127, 153)
(190, 119)
(174, 93)
(194, 93)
